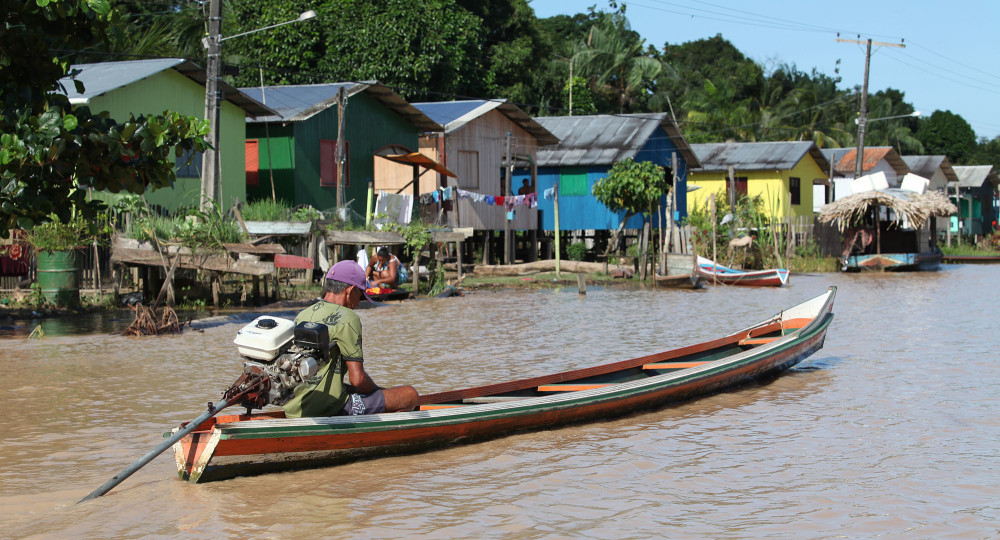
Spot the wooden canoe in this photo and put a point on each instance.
(236, 445)
(716, 273)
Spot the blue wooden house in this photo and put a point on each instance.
(589, 147)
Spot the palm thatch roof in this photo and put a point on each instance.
(913, 208)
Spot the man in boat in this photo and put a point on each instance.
(385, 269)
(326, 394)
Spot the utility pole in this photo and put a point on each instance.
(863, 113)
(210, 160)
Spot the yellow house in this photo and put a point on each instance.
(782, 174)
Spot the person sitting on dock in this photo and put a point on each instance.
(385, 269)
(326, 394)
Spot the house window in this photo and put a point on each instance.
(252, 163)
(468, 169)
(795, 189)
(191, 170)
(740, 184)
(573, 181)
(328, 163)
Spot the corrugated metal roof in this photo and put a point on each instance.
(447, 113)
(605, 139)
(872, 155)
(926, 166)
(100, 78)
(454, 115)
(295, 103)
(973, 176)
(757, 156)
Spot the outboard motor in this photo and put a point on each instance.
(278, 356)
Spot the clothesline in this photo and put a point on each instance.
(507, 201)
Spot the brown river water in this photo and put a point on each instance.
(891, 430)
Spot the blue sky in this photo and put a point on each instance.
(951, 60)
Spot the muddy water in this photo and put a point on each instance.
(892, 429)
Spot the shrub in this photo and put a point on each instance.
(576, 251)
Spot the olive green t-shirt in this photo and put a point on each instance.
(324, 394)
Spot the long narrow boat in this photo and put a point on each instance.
(716, 273)
(228, 446)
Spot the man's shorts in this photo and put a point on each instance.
(373, 403)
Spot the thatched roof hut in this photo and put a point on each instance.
(913, 208)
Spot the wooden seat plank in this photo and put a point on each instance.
(675, 365)
(569, 387)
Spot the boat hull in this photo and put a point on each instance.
(237, 445)
(895, 262)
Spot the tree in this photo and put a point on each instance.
(421, 49)
(947, 133)
(614, 57)
(987, 152)
(631, 186)
(51, 153)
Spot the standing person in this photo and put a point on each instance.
(385, 269)
(325, 394)
(525, 188)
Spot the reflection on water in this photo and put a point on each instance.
(891, 429)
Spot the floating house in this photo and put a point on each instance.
(977, 199)
(294, 152)
(782, 174)
(589, 146)
(474, 145)
(151, 86)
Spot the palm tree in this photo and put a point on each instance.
(616, 61)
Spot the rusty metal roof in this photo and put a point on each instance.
(454, 115)
(757, 156)
(926, 166)
(872, 155)
(605, 139)
(103, 77)
(975, 175)
(295, 103)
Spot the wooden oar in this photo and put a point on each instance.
(127, 471)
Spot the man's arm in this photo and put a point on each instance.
(360, 380)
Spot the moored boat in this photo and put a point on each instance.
(716, 273)
(235, 445)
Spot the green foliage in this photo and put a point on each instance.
(631, 186)
(947, 133)
(420, 48)
(266, 210)
(576, 251)
(192, 227)
(56, 235)
(416, 234)
(51, 153)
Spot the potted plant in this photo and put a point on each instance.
(57, 248)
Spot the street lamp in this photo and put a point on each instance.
(211, 171)
(861, 123)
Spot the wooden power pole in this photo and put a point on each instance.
(863, 113)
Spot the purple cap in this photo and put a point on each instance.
(351, 273)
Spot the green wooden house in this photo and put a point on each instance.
(294, 152)
(152, 86)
